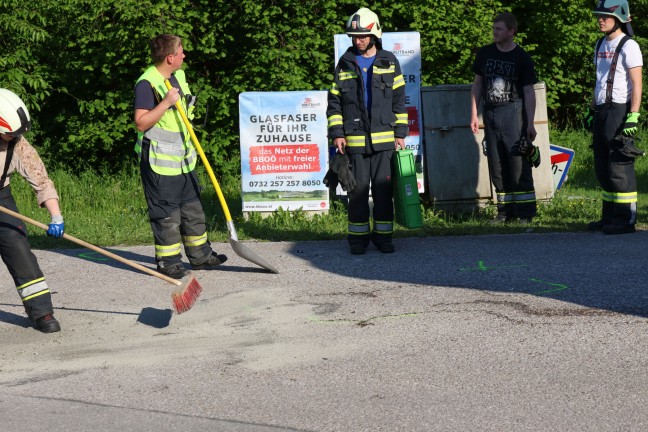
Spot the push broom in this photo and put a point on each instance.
(238, 247)
(182, 298)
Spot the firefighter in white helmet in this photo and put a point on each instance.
(17, 155)
(614, 116)
(367, 120)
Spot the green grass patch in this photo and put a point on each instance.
(110, 210)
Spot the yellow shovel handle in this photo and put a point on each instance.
(200, 151)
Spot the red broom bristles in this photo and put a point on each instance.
(184, 298)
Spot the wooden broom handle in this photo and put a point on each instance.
(93, 247)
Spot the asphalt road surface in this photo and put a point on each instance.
(521, 332)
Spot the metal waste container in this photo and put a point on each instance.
(457, 174)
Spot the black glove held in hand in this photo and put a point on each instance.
(331, 179)
(626, 146)
(530, 152)
(341, 166)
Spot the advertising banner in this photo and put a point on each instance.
(406, 46)
(284, 150)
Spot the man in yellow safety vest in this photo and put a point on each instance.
(167, 160)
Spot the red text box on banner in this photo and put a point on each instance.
(284, 158)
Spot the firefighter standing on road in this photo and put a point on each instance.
(504, 78)
(167, 161)
(367, 120)
(614, 110)
(17, 155)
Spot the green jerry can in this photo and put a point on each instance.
(407, 204)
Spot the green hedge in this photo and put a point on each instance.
(76, 61)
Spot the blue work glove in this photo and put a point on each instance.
(631, 123)
(56, 227)
(588, 120)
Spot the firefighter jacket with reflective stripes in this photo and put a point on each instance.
(347, 115)
(171, 151)
(26, 162)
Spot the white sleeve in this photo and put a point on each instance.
(631, 55)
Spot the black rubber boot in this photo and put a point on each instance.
(357, 249)
(48, 324)
(176, 271)
(213, 261)
(596, 225)
(618, 229)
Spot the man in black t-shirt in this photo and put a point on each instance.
(504, 78)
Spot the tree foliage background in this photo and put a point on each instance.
(75, 62)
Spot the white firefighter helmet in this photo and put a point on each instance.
(615, 8)
(364, 22)
(14, 117)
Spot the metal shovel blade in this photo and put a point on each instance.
(248, 254)
(245, 252)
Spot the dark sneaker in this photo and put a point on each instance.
(596, 225)
(175, 271)
(618, 229)
(214, 260)
(357, 249)
(387, 247)
(48, 324)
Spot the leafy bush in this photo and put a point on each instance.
(75, 62)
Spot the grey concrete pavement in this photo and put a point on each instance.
(524, 332)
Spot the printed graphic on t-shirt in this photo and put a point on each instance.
(500, 81)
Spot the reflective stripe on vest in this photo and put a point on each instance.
(171, 151)
(335, 120)
(347, 75)
(32, 289)
(402, 119)
(355, 140)
(399, 81)
(382, 137)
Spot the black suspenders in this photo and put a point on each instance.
(610, 80)
(5, 171)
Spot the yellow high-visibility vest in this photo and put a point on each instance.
(171, 151)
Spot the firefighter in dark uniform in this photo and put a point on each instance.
(17, 155)
(504, 78)
(167, 161)
(614, 116)
(367, 120)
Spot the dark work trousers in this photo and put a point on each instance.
(510, 172)
(615, 172)
(175, 212)
(375, 170)
(19, 259)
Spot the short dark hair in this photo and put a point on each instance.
(163, 46)
(508, 19)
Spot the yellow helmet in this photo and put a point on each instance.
(364, 22)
